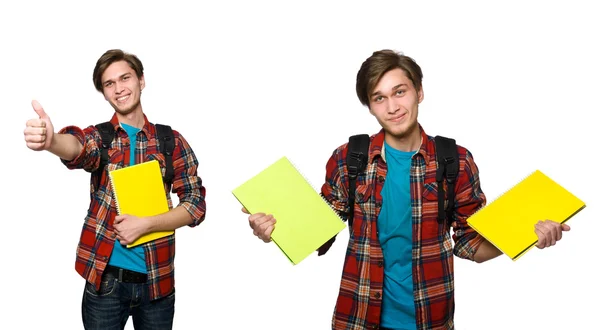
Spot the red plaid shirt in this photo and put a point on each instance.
(97, 236)
(359, 301)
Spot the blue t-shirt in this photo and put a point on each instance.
(395, 235)
(129, 258)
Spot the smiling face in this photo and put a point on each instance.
(122, 88)
(395, 103)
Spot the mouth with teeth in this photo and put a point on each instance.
(122, 99)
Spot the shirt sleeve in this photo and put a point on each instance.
(469, 199)
(186, 182)
(334, 190)
(89, 157)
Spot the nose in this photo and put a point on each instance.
(119, 88)
(393, 106)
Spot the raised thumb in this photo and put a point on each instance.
(37, 107)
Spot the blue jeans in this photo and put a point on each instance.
(110, 307)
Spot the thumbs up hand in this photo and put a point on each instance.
(39, 131)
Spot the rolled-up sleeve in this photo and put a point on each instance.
(89, 157)
(186, 182)
(469, 199)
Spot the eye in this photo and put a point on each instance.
(378, 98)
(108, 84)
(399, 92)
(125, 78)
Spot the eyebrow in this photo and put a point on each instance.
(393, 89)
(121, 76)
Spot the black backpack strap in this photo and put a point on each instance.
(448, 165)
(107, 133)
(167, 146)
(356, 161)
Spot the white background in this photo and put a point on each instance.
(249, 82)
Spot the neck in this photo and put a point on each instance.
(134, 118)
(407, 142)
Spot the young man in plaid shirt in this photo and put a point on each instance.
(398, 272)
(123, 281)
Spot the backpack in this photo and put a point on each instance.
(356, 162)
(448, 165)
(166, 146)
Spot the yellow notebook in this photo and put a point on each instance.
(305, 221)
(139, 191)
(508, 222)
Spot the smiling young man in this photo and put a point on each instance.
(123, 281)
(398, 272)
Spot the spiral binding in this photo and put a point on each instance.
(313, 187)
(114, 192)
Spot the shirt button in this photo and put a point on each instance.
(113, 235)
(380, 264)
(378, 204)
(104, 258)
(380, 179)
(375, 326)
(377, 295)
(360, 195)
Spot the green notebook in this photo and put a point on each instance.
(305, 221)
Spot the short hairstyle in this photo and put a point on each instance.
(111, 56)
(378, 64)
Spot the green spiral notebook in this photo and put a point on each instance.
(305, 221)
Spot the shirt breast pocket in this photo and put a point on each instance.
(160, 158)
(363, 205)
(430, 207)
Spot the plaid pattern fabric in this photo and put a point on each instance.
(97, 236)
(359, 302)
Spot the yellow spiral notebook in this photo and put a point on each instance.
(305, 221)
(139, 191)
(508, 222)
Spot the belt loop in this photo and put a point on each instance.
(120, 274)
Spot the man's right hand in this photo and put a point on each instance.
(262, 224)
(39, 131)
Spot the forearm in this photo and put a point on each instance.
(175, 218)
(65, 146)
(485, 252)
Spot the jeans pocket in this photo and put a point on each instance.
(107, 286)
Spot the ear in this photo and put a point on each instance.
(142, 82)
(421, 94)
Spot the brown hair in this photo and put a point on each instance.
(111, 56)
(378, 64)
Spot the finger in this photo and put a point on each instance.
(565, 227)
(255, 216)
(541, 239)
(551, 230)
(37, 107)
(558, 230)
(262, 230)
(33, 130)
(35, 145)
(261, 220)
(35, 138)
(35, 123)
(118, 219)
(245, 211)
(268, 233)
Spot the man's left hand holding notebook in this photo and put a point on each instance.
(129, 228)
